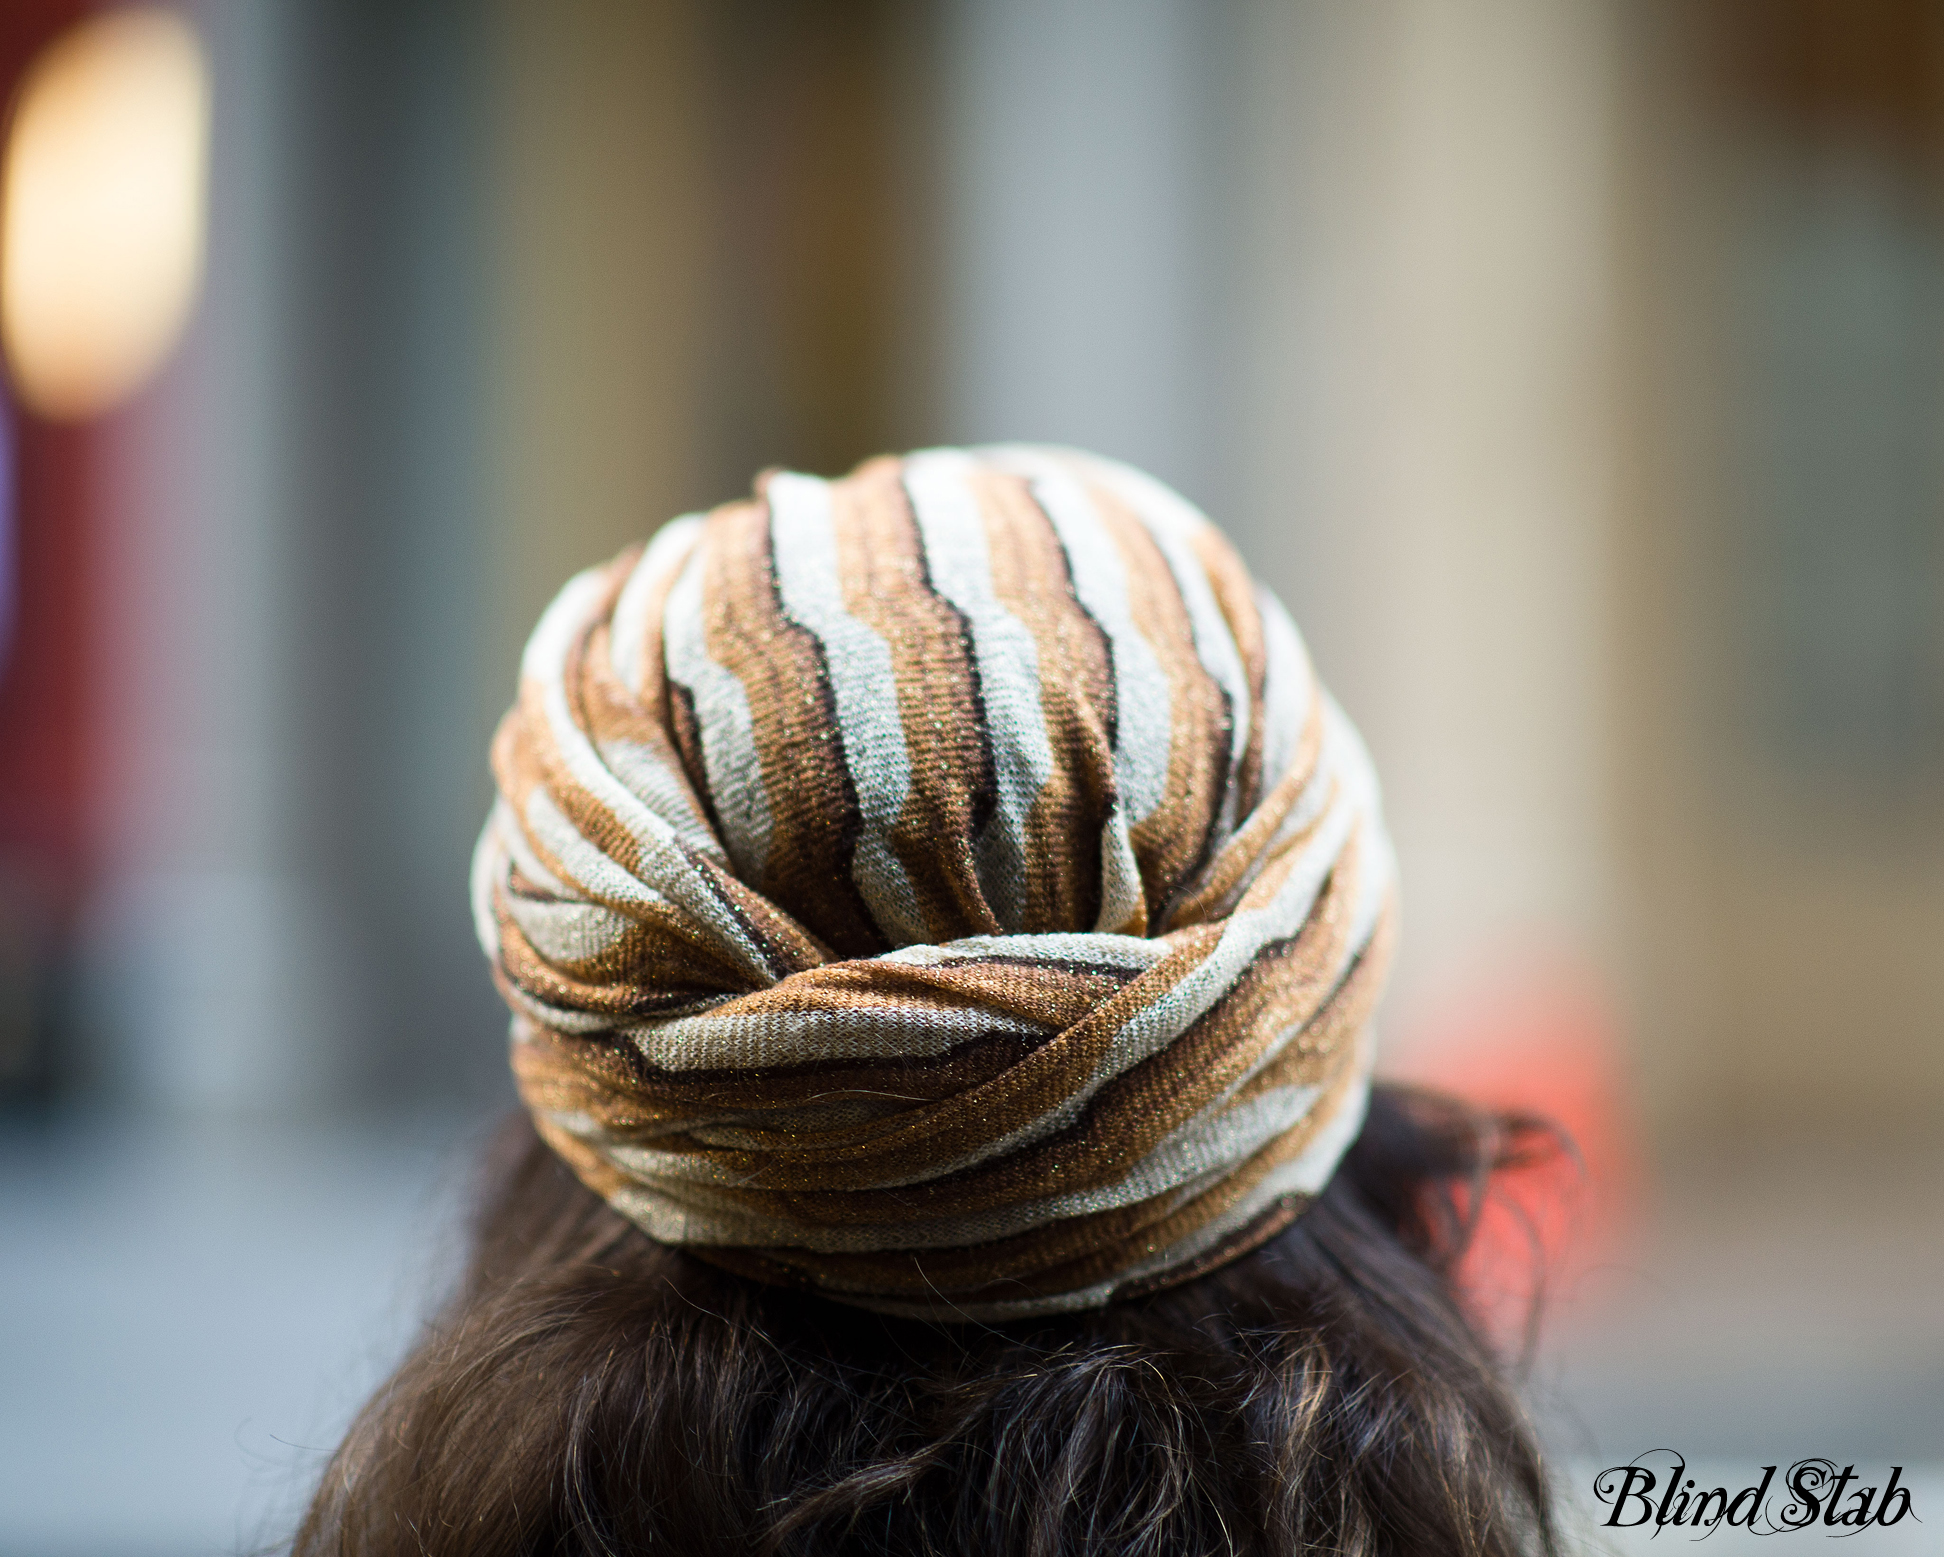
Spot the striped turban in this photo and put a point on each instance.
(946, 888)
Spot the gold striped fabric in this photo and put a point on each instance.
(947, 888)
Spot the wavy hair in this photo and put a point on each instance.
(588, 1391)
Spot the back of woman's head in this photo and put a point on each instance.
(589, 1391)
(942, 915)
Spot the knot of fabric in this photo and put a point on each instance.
(947, 888)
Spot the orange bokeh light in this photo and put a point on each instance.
(102, 209)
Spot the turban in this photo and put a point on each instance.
(945, 888)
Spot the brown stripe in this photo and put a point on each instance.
(559, 1075)
(1253, 1235)
(1211, 897)
(1060, 1257)
(814, 817)
(1076, 688)
(886, 586)
(1171, 842)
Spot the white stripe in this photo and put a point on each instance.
(520, 852)
(664, 789)
(566, 932)
(1141, 692)
(725, 725)
(726, 1041)
(959, 562)
(863, 684)
(593, 872)
(1173, 521)
(1243, 937)
(1288, 689)
(628, 631)
(1123, 895)
(1131, 952)
(541, 1014)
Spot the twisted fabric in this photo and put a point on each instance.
(947, 888)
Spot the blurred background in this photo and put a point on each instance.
(1574, 372)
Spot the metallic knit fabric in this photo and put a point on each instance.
(946, 888)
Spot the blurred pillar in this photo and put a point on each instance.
(1784, 650)
(708, 248)
(1419, 331)
(292, 655)
(1079, 241)
(395, 544)
(216, 977)
(601, 230)
(822, 171)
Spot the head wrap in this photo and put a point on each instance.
(947, 888)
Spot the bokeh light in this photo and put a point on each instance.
(101, 233)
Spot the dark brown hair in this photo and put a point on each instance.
(588, 1391)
